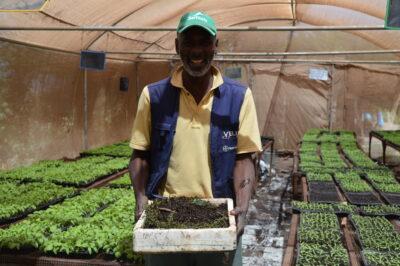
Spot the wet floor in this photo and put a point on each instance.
(269, 217)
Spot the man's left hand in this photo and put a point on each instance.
(240, 214)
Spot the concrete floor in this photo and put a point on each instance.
(269, 217)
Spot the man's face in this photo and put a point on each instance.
(196, 48)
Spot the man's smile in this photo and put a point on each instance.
(197, 61)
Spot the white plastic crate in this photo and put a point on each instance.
(186, 240)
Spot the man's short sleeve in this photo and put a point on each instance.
(142, 125)
(249, 135)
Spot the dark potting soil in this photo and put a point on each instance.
(324, 197)
(322, 187)
(365, 198)
(392, 198)
(182, 212)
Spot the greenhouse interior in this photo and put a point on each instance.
(320, 182)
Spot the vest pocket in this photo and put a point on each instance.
(162, 131)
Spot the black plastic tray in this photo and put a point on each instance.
(362, 198)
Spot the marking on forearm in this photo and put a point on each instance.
(245, 183)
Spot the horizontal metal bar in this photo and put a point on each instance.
(356, 52)
(284, 60)
(252, 28)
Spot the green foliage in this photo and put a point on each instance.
(316, 176)
(121, 149)
(345, 208)
(381, 209)
(76, 173)
(322, 221)
(389, 188)
(123, 181)
(16, 199)
(358, 157)
(99, 220)
(377, 233)
(320, 240)
(381, 258)
(316, 255)
(352, 182)
(381, 176)
(391, 135)
(314, 207)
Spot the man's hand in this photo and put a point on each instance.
(141, 203)
(240, 214)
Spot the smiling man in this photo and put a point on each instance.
(194, 135)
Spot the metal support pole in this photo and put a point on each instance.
(369, 147)
(85, 111)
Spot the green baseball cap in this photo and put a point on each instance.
(197, 19)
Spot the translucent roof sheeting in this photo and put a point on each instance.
(22, 4)
(166, 13)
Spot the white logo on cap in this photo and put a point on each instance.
(198, 16)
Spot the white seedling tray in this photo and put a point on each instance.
(186, 240)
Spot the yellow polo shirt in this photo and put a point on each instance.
(189, 171)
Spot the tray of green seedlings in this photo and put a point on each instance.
(311, 135)
(389, 211)
(356, 190)
(301, 207)
(121, 182)
(381, 176)
(18, 200)
(29, 173)
(347, 137)
(85, 172)
(99, 221)
(120, 149)
(392, 136)
(331, 157)
(318, 177)
(375, 233)
(374, 258)
(357, 157)
(319, 228)
(385, 182)
(310, 254)
(319, 240)
(344, 209)
(328, 137)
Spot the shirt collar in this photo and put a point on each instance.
(176, 79)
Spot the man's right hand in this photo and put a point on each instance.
(141, 203)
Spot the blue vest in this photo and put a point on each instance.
(227, 102)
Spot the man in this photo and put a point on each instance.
(194, 135)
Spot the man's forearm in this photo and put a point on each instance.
(139, 173)
(243, 176)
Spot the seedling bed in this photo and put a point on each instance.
(39, 259)
(186, 225)
(372, 258)
(42, 206)
(388, 211)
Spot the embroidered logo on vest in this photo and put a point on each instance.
(229, 134)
